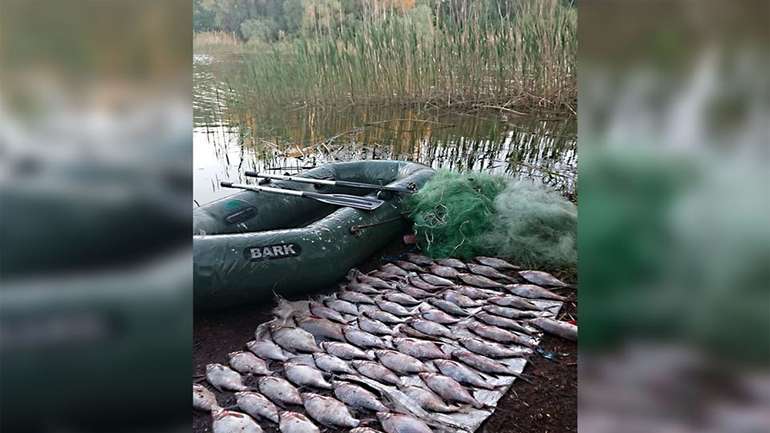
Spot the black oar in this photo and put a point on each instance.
(331, 182)
(365, 203)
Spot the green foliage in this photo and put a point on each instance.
(260, 30)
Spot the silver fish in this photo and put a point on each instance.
(420, 349)
(293, 422)
(427, 399)
(321, 328)
(430, 328)
(229, 421)
(278, 389)
(295, 339)
(401, 298)
(304, 375)
(502, 322)
(304, 359)
(203, 399)
(222, 377)
(443, 271)
(449, 389)
(482, 363)
(511, 313)
(479, 281)
(557, 327)
(533, 292)
(436, 280)
(364, 430)
(257, 405)
(398, 423)
(248, 363)
(363, 339)
(500, 335)
(376, 371)
(345, 350)
(408, 331)
(361, 288)
(393, 308)
(439, 316)
(461, 300)
(320, 310)
(387, 276)
(374, 326)
(488, 271)
(399, 362)
(408, 266)
(414, 291)
(355, 297)
(358, 397)
(342, 306)
(513, 301)
(494, 350)
(447, 307)
(419, 259)
(267, 349)
(496, 263)
(375, 282)
(452, 263)
(331, 363)
(393, 269)
(382, 316)
(421, 284)
(542, 278)
(328, 411)
(462, 374)
(475, 292)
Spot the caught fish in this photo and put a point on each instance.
(409, 266)
(488, 271)
(500, 335)
(342, 306)
(400, 298)
(494, 350)
(449, 389)
(400, 363)
(511, 313)
(375, 371)
(203, 399)
(248, 363)
(363, 339)
(513, 301)
(320, 310)
(443, 271)
(502, 322)
(533, 292)
(475, 292)
(321, 328)
(354, 297)
(358, 397)
(267, 349)
(462, 374)
(452, 263)
(436, 280)
(304, 375)
(461, 300)
(361, 288)
(257, 405)
(420, 349)
(223, 378)
(542, 278)
(414, 291)
(447, 307)
(419, 259)
(331, 363)
(482, 363)
(328, 411)
(382, 316)
(393, 308)
(393, 269)
(345, 350)
(375, 282)
(439, 316)
(421, 284)
(278, 389)
(387, 276)
(398, 423)
(557, 327)
(295, 339)
(364, 430)
(374, 326)
(479, 281)
(229, 421)
(430, 328)
(428, 400)
(293, 422)
(496, 263)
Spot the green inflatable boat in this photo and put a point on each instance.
(250, 245)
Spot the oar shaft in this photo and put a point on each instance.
(328, 182)
(263, 189)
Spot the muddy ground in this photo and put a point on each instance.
(547, 405)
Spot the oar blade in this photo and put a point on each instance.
(363, 203)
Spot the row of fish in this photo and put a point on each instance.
(449, 323)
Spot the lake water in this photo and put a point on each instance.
(287, 140)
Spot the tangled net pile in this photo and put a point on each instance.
(465, 215)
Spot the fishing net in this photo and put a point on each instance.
(464, 215)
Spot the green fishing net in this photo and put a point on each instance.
(464, 215)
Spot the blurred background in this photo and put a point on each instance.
(95, 192)
(674, 238)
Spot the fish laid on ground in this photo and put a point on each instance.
(257, 405)
(363, 339)
(321, 328)
(328, 411)
(229, 421)
(502, 322)
(414, 292)
(439, 316)
(475, 292)
(421, 284)
(393, 269)
(496, 263)
(452, 263)
(400, 362)
(386, 276)
(383, 316)
(494, 350)
(293, 422)
(375, 282)
(354, 297)
(331, 363)
(203, 399)
(304, 375)
(430, 328)
(358, 397)
(462, 374)
(295, 339)
(267, 349)
(361, 288)
(409, 266)
(443, 271)
(320, 310)
(461, 300)
(375, 371)
(419, 259)
(248, 363)
(401, 298)
(557, 327)
(374, 326)
(533, 292)
(364, 430)
(345, 350)
(436, 280)
(542, 278)
(393, 308)
(449, 389)
(513, 301)
(479, 281)
(427, 399)
(279, 390)
(511, 313)
(420, 349)
(482, 363)
(342, 306)
(408, 331)
(398, 423)
(488, 271)
(224, 378)
(500, 335)
(447, 307)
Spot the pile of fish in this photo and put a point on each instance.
(416, 346)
